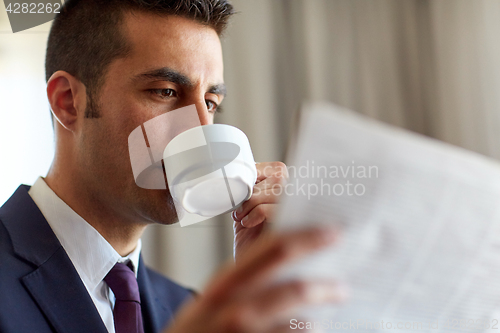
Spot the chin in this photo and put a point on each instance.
(158, 207)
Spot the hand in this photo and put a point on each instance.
(250, 218)
(242, 297)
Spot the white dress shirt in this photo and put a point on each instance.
(92, 256)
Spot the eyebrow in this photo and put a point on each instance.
(170, 75)
(218, 89)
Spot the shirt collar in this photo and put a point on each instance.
(90, 253)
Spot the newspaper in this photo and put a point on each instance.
(420, 220)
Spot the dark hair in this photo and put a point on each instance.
(85, 36)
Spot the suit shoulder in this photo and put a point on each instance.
(174, 292)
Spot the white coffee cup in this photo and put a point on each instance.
(210, 169)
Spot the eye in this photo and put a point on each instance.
(164, 93)
(211, 106)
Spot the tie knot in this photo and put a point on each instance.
(121, 279)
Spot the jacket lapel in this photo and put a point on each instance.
(155, 312)
(54, 284)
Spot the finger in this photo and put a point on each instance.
(237, 226)
(265, 257)
(266, 169)
(258, 215)
(244, 237)
(266, 191)
(272, 305)
(277, 249)
(280, 300)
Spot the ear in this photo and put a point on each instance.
(67, 97)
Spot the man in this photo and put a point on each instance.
(111, 65)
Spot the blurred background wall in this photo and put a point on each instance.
(429, 66)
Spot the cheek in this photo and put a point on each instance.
(105, 139)
(105, 151)
(121, 114)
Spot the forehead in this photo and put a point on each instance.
(175, 42)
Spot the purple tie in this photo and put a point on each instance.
(127, 312)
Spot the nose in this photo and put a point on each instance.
(203, 114)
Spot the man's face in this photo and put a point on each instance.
(174, 62)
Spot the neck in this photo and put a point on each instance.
(121, 232)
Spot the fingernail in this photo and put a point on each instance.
(328, 234)
(243, 220)
(334, 292)
(239, 210)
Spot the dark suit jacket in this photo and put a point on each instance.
(40, 290)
